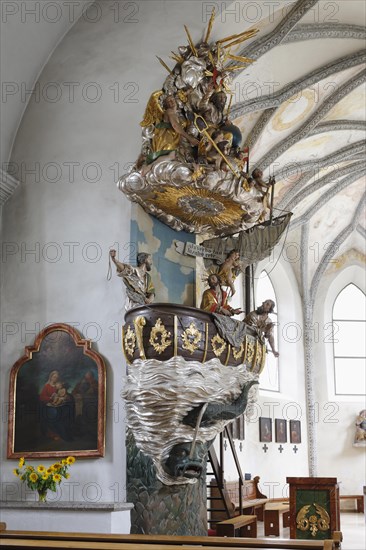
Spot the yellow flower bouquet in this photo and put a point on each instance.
(42, 479)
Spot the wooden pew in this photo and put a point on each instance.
(21, 544)
(83, 541)
(272, 514)
(241, 526)
(357, 498)
(253, 500)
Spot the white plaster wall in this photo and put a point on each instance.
(337, 414)
(29, 32)
(62, 282)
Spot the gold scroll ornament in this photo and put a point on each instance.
(250, 351)
(129, 341)
(191, 338)
(218, 345)
(157, 331)
(238, 352)
(139, 324)
(313, 522)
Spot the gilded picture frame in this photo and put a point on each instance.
(57, 397)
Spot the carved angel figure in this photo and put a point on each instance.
(360, 435)
(187, 130)
(229, 270)
(167, 127)
(139, 287)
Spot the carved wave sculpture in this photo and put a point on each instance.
(185, 383)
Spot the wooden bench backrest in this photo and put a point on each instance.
(44, 539)
(250, 492)
(250, 489)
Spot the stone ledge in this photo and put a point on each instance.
(66, 505)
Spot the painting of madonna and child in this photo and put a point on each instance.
(57, 402)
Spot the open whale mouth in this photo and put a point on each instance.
(190, 470)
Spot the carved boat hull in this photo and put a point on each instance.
(162, 331)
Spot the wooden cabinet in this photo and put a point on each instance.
(314, 507)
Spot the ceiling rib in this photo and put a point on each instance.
(296, 86)
(338, 125)
(313, 120)
(262, 45)
(326, 197)
(8, 184)
(292, 198)
(337, 242)
(316, 31)
(344, 154)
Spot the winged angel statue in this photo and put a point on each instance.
(192, 172)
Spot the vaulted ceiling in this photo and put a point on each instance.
(301, 109)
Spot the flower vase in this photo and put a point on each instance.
(42, 496)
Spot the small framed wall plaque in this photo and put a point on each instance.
(295, 431)
(265, 429)
(237, 428)
(281, 430)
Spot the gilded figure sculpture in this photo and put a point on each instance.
(214, 299)
(191, 149)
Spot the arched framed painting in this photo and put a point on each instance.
(57, 397)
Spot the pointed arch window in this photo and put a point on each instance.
(349, 329)
(269, 378)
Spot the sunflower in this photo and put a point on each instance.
(15, 472)
(41, 469)
(21, 462)
(64, 462)
(70, 460)
(57, 478)
(57, 466)
(67, 476)
(45, 476)
(29, 468)
(33, 477)
(49, 470)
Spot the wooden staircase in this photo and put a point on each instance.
(216, 463)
